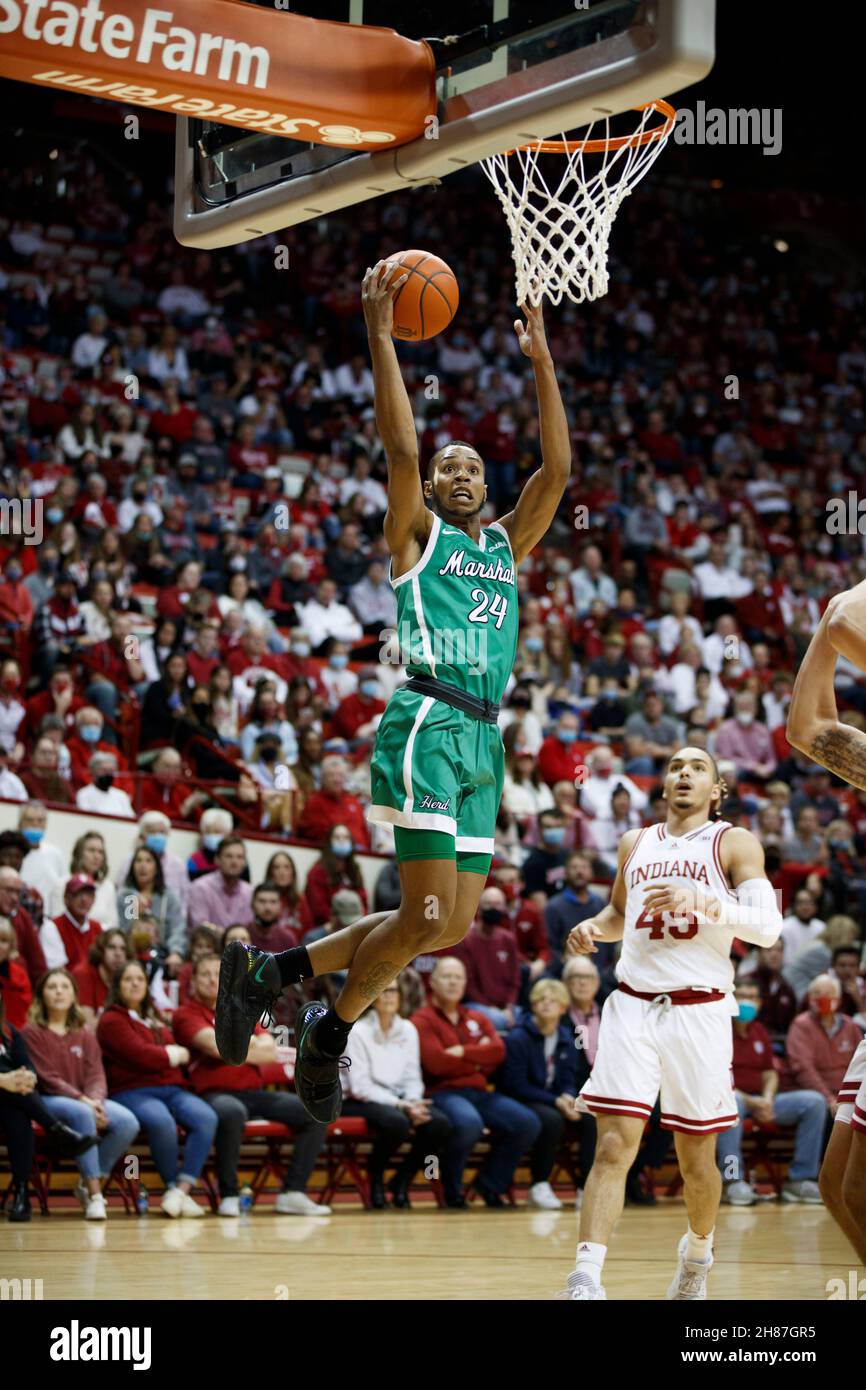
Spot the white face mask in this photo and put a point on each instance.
(745, 719)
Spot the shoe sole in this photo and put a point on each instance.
(801, 1201)
(324, 1111)
(232, 971)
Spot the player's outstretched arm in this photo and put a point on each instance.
(813, 719)
(609, 924)
(407, 515)
(537, 504)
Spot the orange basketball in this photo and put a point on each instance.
(427, 302)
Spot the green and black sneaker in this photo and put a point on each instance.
(317, 1078)
(250, 985)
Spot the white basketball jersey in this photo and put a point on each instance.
(669, 952)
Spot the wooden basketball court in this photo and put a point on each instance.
(767, 1252)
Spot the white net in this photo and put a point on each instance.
(560, 231)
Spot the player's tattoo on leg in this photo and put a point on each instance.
(843, 752)
(380, 975)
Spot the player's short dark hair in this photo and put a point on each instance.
(452, 444)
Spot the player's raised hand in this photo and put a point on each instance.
(378, 289)
(531, 335)
(582, 938)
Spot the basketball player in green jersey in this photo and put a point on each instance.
(437, 767)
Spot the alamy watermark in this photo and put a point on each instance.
(23, 518)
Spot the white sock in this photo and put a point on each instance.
(589, 1262)
(699, 1248)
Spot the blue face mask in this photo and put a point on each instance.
(342, 848)
(338, 661)
(157, 843)
(54, 515)
(534, 644)
(211, 842)
(554, 835)
(90, 733)
(748, 1011)
(301, 648)
(566, 736)
(370, 689)
(33, 836)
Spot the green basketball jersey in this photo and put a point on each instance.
(457, 610)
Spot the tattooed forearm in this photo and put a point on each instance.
(842, 750)
(377, 978)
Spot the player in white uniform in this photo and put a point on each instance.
(814, 727)
(683, 891)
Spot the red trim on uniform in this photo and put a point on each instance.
(711, 1129)
(717, 857)
(677, 996)
(662, 831)
(617, 1100)
(848, 1093)
(858, 1119)
(633, 849)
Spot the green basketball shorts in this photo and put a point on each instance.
(436, 768)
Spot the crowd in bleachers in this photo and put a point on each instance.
(202, 636)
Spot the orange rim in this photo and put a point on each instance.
(613, 142)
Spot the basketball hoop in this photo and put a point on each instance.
(560, 231)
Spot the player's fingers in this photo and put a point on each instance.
(392, 268)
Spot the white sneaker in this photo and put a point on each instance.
(579, 1290)
(804, 1190)
(299, 1204)
(96, 1210)
(172, 1202)
(230, 1206)
(739, 1194)
(541, 1194)
(189, 1207)
(690, 1281)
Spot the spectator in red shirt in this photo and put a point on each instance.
(822, 1041)
(489, 953)
(87, 740)
(29, 950)
(173, 601)
(143, 1066)
(333, 806)
(460, 1051)
(756, 1088)
(238, 1095)
(558, 758)
(166, 790)
(42, 780)
(335, 868)
(67, 939)
(526, 921)
(356, 716)
(114, 669)
(294, 908)
(14, 981)
(60, 698)
(16, 604)
(93, 976)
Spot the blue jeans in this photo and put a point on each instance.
(105, 697)
(805, 1109)
(514, 1129)
(99, 1161)
(640, 767)
(159, 1110)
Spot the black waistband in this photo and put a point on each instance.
(454, 696)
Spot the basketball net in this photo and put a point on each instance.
(560, 231)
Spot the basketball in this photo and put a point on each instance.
(428, 301)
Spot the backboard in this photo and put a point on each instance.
(508, 72)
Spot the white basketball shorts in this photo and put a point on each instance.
(683, 1051)
(852, 1092)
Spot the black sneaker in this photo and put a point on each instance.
(250, 985)
(317, 1078)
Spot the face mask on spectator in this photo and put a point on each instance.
(553, 835)
(825, 1005)
(567, 736)
(104, 781)
(747, 1011)
(491, 916)
(201, 710)
(370, 689)
(510, 891)
(211, 842)
(338, 661)
(341, 847)
(157, 842)
(269, 755)
(237, 563)
(32, 835)
(13, 573)
(10, 684)
(534, 644)
(522, 702)
(54, 515)
(49, 564)
(90, 733)
(745, 719)
(301, 648)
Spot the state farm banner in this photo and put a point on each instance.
(347, 85)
